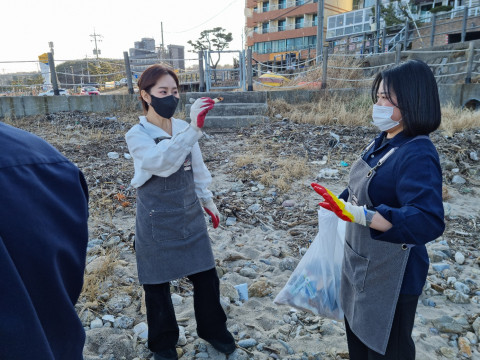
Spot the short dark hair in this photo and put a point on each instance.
(416, 90)
(150, 77)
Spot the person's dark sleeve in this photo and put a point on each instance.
(418, 187)
(43, 239)
(344, 195)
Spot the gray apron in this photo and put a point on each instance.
(372, 271)
(171, 233)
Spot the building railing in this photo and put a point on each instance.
(432, 30)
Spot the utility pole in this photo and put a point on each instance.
(320, 16)
(50, 45)
(377, 23)
(161, 48)
(96, 51)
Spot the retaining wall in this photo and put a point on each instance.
(20, 106)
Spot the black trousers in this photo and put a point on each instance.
(400, 344)
(162, 324)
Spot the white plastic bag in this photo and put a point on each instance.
(314, 285)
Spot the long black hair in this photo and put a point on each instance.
(416, 91)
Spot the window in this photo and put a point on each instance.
(282, 4)
(299, 43)
(275, 46)
(299, 22)
(282, 45)
(266, 6)
(314, 20)
(268, 47)
(265, 27)
(349, 18)
(299, 2)
(290, 44)
(339, 21)
(282, 24)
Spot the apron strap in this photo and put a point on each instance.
(389, 153)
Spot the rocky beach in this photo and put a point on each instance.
(261, 185)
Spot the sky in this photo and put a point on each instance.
(27, 26)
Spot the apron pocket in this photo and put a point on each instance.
(194, 219)
(167, 225)
(355, 268)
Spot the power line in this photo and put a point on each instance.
(214, 16)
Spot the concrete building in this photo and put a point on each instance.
(144, 53)
(286, 30)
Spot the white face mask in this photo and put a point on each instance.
(382, 117)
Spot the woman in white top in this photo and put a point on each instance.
(171, 239)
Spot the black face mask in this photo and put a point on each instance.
(165, 107)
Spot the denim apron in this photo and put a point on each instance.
(372, 270)
(171, 233)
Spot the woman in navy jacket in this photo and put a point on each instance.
(393, 205)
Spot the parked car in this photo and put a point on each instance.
(90, 90)
(123, 82)
(61, 92)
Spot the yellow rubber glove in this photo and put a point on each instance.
(344, 210)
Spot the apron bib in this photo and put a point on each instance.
(171, 233)
(372, 270)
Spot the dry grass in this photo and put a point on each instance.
(455, 119)
(327, 110)
(279, 173)
(335, 110)
(92, 281)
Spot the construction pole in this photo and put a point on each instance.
(128, 71)
(320, 10)
(53, 74)
(377, 24)
(249, 70)
(161, 49)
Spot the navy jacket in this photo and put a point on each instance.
(407, 191)
(43, 240)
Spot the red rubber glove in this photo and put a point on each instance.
(211, 209)
(199, 110)
(344, 210)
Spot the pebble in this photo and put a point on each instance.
(230, 221)
(288, 203)
(109, 318)
(440, 266)
(113, 155)
(123, 322)
(247, 343)
(457, 297)
(462, 287)
(288, 264)
(177, 300)
(141, 329)
(447, 324)
(474, 156)
(96, 324)
(459, 258)
(457, 179)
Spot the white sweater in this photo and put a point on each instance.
(166, 157)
